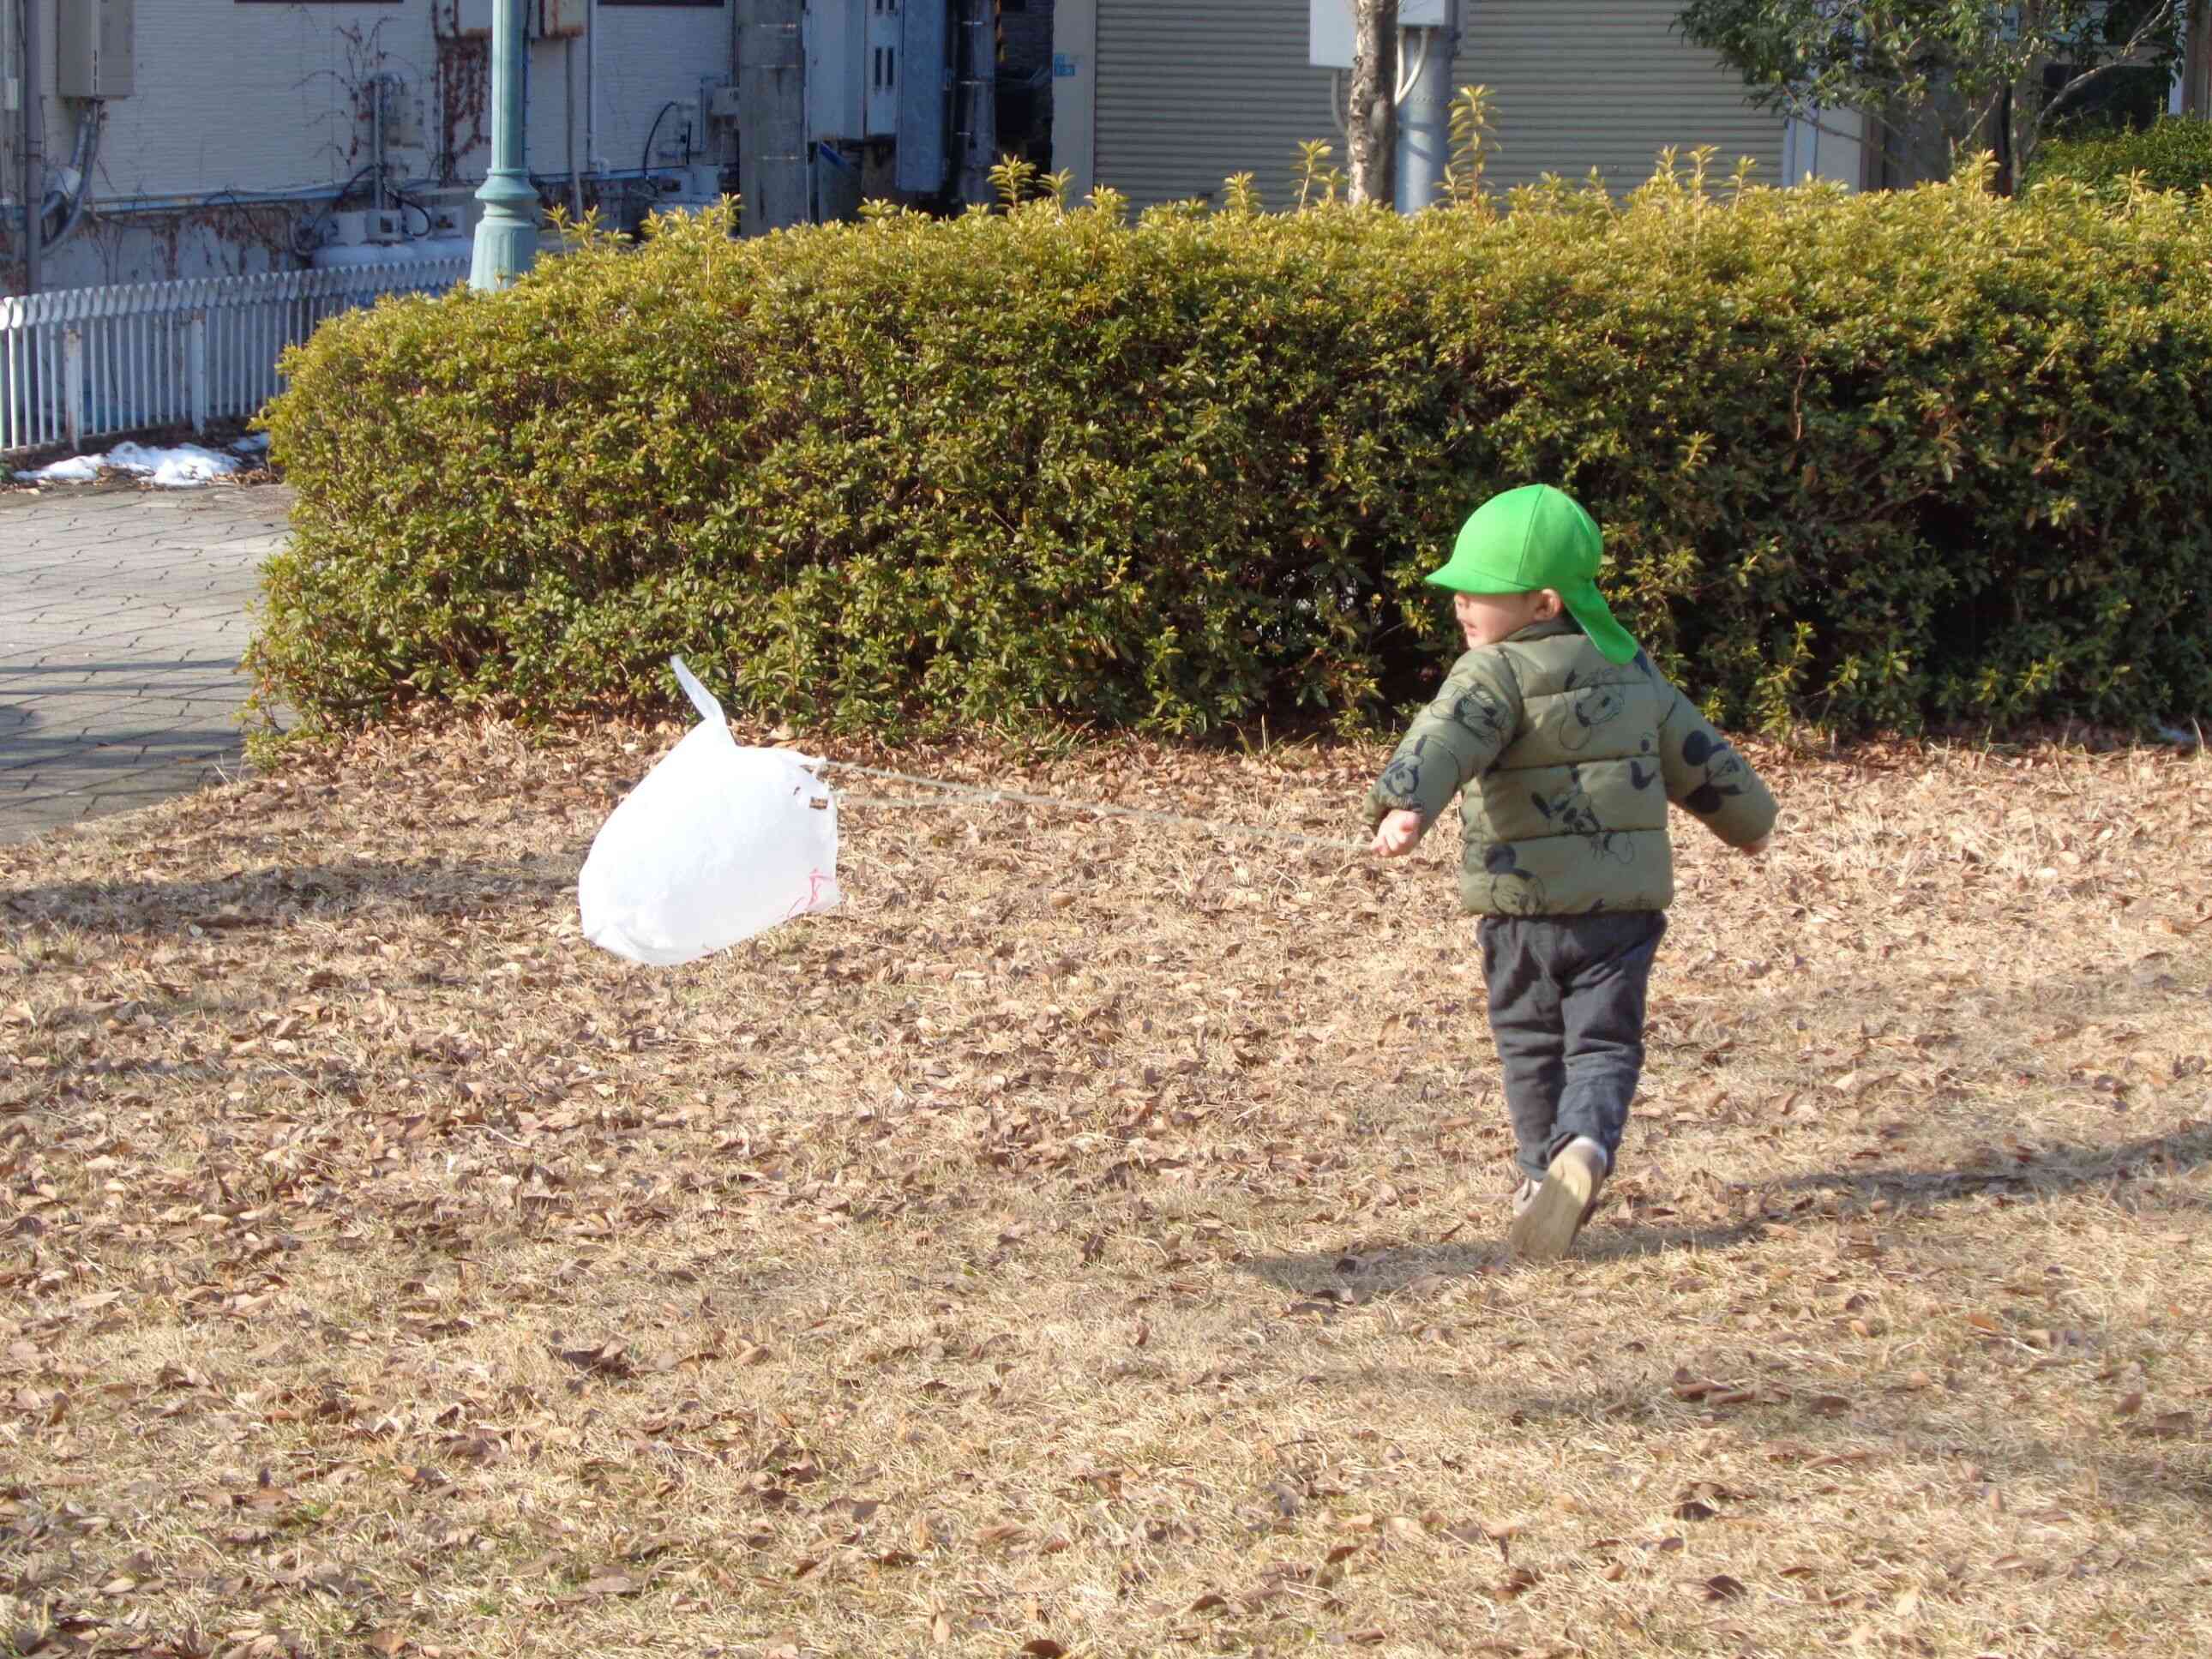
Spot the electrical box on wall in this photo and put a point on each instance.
(93, 48)
(1329, 34)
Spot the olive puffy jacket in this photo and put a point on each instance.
(1576, 758)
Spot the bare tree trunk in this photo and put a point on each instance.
(1372, 118)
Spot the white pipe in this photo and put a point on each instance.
(568, 125)
(34, 148)
(592, 159)
(1420, 64)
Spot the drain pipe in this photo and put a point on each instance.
(376, 140)
(34, 148)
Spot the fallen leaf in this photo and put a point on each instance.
(609, 1358)
(1722, 1588)
(1517, 1582)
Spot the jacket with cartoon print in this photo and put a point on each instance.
(1576, 758)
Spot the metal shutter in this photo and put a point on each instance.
(1577, 84)
(1190, 91)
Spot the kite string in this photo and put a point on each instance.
(956, 792)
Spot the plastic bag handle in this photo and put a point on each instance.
(701, 698)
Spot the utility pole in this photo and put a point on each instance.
(507, 237)
(1374, 97)
(979, 86)
(773, 171)
(1425, 121)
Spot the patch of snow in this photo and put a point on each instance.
(179, 468)
(254, 444)
(186, 466)
(78, 469)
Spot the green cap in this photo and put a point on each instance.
(1535, 537)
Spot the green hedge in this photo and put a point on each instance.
(1867, 462)
(2172, 153)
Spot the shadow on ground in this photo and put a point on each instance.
(278, 895)
(1372, 1275)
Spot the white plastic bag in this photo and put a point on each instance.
(716, 844)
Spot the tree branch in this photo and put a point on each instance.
(1819, 125)
(2067, 93)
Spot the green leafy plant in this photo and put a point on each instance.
(2175, 154)
(1865, 462)
(1472, 141)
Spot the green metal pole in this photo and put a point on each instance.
(507, 236)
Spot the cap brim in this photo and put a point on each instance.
(1587, 606)
(1459, 579)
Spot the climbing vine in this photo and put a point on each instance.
(463, 88)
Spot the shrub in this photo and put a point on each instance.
(1865, 462)
(2172, 153)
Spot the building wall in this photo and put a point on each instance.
(249, 98)
(1186, 94)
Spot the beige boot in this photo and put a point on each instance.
(1543, 1230)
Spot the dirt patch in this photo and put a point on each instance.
(1087, 1241)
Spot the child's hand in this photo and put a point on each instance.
(1397, 833)
(1754, 849)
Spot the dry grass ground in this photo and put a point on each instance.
(1087, 1241)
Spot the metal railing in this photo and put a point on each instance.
(93, 362)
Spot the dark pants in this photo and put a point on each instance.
(1566, 1006)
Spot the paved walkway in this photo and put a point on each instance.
(123, 614)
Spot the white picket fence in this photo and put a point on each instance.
(93, 362)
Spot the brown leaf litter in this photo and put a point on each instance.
(1087, 1242)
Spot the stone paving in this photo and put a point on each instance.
(123, 614)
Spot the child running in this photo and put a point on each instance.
(1568, 744)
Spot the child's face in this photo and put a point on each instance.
(1487, 618)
